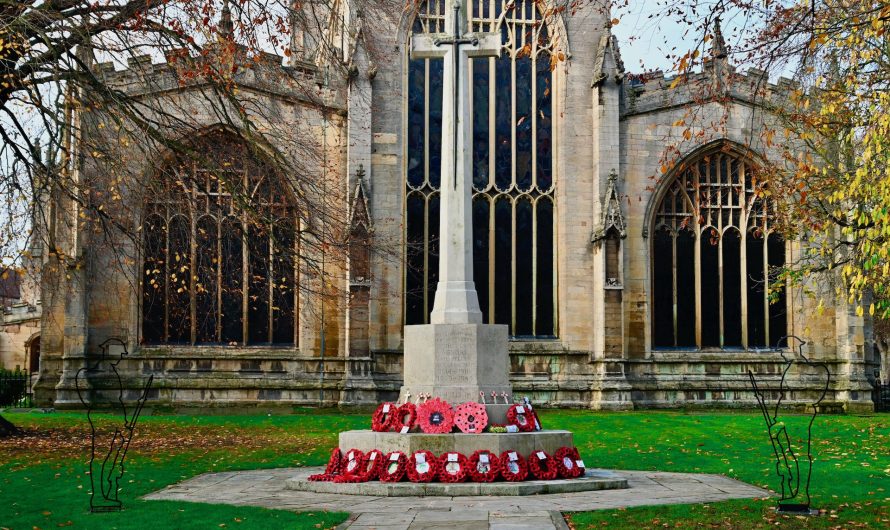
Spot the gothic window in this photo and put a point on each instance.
(715, 256)
(219, 248)
(513, 187)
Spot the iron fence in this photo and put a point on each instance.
(882, 397)
(13, 388)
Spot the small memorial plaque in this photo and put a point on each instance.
(512, 456)
(483, 458)
(452, 457)
(542, 455)
(520, 410)
(386, 408)
(420, 458)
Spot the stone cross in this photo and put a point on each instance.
(456, 299)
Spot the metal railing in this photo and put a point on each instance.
(14, 386)
(881, 396)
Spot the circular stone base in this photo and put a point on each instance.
(594, 480)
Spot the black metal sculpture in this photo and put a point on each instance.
(788, 466)
(111, 470)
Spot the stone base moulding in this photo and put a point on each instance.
(593, 480)
(522, 442)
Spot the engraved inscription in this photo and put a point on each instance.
(456, 359)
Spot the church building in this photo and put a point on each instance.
(618, 229)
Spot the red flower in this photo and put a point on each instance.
(382, 419)
(483, 466)
(453, 467)
(351, 464)
(566, 462)
(513, 466)
(372, 463)
(406, 416)
(471, 418)
(519, 416)
(423, 466)
(542, 466)
(334, 462)
(332, 469)
(393, 468)
(435, 417)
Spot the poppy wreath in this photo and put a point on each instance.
(566, 462)
(331, 470)
(453, 467)
(406, 416)
(372, 463)
(480, 471)
(515, 470)
(422, 469)
(522, 420)
(542, 466)
(382, 420)
(435, 417)
(393, 469)
(351, 463)
(471, 418)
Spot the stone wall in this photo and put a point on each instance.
(606, 123)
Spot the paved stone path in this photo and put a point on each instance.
(266, 488)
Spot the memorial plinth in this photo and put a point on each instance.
(522, 442)
(456, 362)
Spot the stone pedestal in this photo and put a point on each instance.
(455, 362)
(523, 442)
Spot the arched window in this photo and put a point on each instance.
(715, 256)
(513, 200)
(219, 252)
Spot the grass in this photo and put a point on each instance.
(42, 480)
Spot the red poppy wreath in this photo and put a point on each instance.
(331, 470)
(484, 466)
(351, 464)
(513, 466)
(406, 416)
(471, 418)
(520, 417)
(566, 462)
(435, 417)
(382, 419)
(393, 468)
(542, 466)
(423, 466)
(453, 467)
(371, 466)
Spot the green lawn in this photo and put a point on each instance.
(43, 482)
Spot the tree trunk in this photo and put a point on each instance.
(7, 429)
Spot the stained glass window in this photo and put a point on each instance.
(220, 250)
(513, 186)
(715, 256)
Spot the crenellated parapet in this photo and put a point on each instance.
(263, 72)
(653, 91)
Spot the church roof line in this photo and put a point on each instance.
(653, 91)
